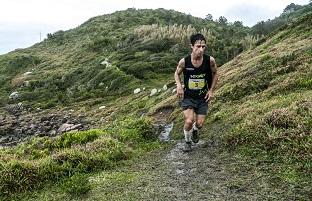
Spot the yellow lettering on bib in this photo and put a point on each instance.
(196, 83)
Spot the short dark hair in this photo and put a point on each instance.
(196, 37)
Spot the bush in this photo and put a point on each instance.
(82, 137)
(281, 118)
(18, 62)
(76, 185)
(136, 130)
(99, 44)
(18, 176)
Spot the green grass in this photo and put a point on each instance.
(265, 107)
(66, 159)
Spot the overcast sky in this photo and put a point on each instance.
(25, 22)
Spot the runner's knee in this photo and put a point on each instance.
(188, 122)
(199, 124)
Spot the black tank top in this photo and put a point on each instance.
(197, 81)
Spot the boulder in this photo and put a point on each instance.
(137, 90)
(27, 73)
(15, 95)
(165, 87)
(68, 127)
(153, 92)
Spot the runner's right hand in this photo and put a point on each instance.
(180, 92)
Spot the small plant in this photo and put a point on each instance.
(82, 137)
(76, 185)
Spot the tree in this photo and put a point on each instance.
(291, 7)
(209, 17)
(238, 24)
(222, 20)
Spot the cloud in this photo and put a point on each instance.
(20, 35)
(24, 20)
(249, 13)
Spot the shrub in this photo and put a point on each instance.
(99, 44)
(18, 62)
(82, 137)
(137, 130)
(281, 118)
(76, 185)
(18, 176)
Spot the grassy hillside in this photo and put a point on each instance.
(108, 56)
(290, 14)
(263, 105)
(262, 109)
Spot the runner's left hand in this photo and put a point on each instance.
(209, 96)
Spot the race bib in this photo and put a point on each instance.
(196, 83)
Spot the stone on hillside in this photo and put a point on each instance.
(159, 90)
(68, 127)
(106, 63)
(26, 83)
(14, 109)
(165, 87)
(102, 107)
(15, 95)
(174, 90)
(101, 84)
(153, 92)
(137, 90)
(143, 89)
(27, 73)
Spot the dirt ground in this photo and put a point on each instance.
(205, 173)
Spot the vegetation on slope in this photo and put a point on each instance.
(66, 159)
(264, 105)
(108, 56)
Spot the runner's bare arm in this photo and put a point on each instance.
(177, 77)
(214, 71)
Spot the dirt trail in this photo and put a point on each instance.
(205, 173)
(176, 175)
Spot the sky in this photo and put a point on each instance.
(24, 23)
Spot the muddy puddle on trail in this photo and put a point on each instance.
(161, 122)
(164, 135)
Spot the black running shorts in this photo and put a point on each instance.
(200, 106)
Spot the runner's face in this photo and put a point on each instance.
(199, 47)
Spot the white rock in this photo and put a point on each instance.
(174, 90)
(153, 92)
(137, 90)
(102, 107)
(159, 90)
(165, 87)
(28, 73)
(14, 95)
(101, 84)
(143, 89)
(26, 83)
(68, 127)
(106, 63)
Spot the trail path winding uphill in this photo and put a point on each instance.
(202, 174)
(208, 172)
